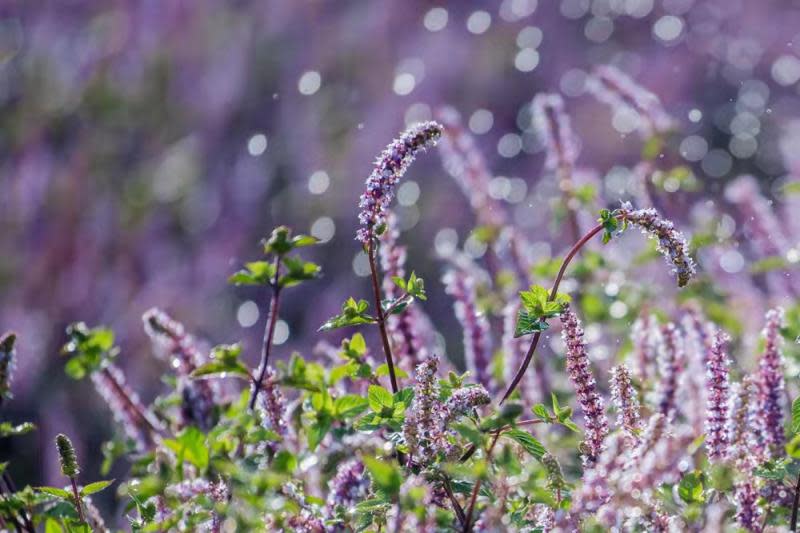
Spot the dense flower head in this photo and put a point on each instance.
(741, 421)
(552, 121)
(671, 243)
(423, 428)
(464, 401)
(66, 456)
(771, 386)
(670, 366)
(615, 88)
(136, 420)
(477, 334)
(389, 168)
(271, 404)
(349, 486)
(580, 374)
(717, 410)
(748, 513)
(626, 402)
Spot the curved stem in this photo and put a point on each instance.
(381, 316)
(269, 333)
(474, 497)
(535, 341)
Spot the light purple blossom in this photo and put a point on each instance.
(389, 168)
(771, 387)
(477, 337)
(670, 365)
(171, 340)
(748, 513)
(463, 401)
(626, 401)
(550, 119)
(580, 374)
(615, 88)
(423, 428)
(671, 243)
(348, 487)
(644, 335)
(717, 380)
(136, 420)
(272, 405)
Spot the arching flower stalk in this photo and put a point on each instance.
(717, 380)
(477, 335)
(670, 365)
(626, 402)
(552, 121)
(580, 374)
(671, 243)
(171, 340)
(390, 166)
(616, 89)
(771, 387)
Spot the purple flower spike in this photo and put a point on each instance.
(748, 513)
(348, 487)
(771, 386)
(464, 401)
(615, 88)
(670, 360)
(671, 243)
(477, 337)
(580, 374)
(717, 409)
(552, 121)
(272, 405)
(389, 168)
(423, 426)
(627, 403)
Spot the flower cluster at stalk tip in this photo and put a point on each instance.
(389, 168)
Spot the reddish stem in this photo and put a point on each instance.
(77, 496)
(376, 290)
(269, 333)
(535, 341)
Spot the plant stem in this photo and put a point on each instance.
(269, 333)
(793, 523)
(77, 497)
(474, 497)
(376, 290)
(456, 506)
(535, 341)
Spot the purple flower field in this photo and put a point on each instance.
(519, 265)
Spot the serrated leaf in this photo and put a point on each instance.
(385, 475)
(383, 371)
(55, 491)
(528, 324)
(379, 398)
(527, 441)
(349, 406)
(690, 488)
(796, 415)
(190, 445)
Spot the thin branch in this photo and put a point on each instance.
(381, 318)
(269, 333)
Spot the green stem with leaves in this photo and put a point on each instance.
(269, 333)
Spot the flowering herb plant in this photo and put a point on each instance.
(673, 433)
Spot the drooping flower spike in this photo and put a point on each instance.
(390, 166)
(671, 242)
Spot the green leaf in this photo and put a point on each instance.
(349, 406)
(528, 323)
(527, 441)
(318, 430)
(300, 241)
(379, 398)
(404, 396)
(385, 475)
(95, 487)
(796, 415)
(7, 429)
(224, 360)
(190, 445)
(88, 349)
(55, 491)
(383, 370)
(541, 412)
(284, 462)
(298, 271)
(690, 488)
(353, 314)
(254, 273)
(610, 224)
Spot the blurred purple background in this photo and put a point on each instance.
(146, 147)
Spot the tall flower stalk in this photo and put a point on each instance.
(717, 382)
(390, 166)
(626, 401)
(580, 374)
(771, 387)
(70, 469)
